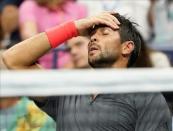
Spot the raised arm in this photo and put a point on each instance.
(25, 54)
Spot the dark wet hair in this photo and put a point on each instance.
(128, 32)
(144, 60)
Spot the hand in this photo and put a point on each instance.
(106, 18)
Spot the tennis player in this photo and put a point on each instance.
(114, 43)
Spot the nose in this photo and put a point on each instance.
(94, 38)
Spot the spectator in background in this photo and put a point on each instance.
(21, 114)
(38, 15)
(17, 113)
(160, 19)
(135, 111)
(9, 23)
(78, 49)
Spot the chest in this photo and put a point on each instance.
(103, 112)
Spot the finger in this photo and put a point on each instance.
(113, 18)
(110, 12)
(107, 22)
(110, 19)
(110, 22)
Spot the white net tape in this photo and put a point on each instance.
(69, 82)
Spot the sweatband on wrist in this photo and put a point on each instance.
(59, 34)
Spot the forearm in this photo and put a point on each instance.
(26, 53)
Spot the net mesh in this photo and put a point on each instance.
(130, 95)
(70, 82)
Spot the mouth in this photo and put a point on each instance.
(93, 48)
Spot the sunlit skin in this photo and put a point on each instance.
(105, 48)
(37, 46)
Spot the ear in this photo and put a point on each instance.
(127, 48)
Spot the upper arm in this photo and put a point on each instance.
(6, 65)
(25, 54)
(35, 66)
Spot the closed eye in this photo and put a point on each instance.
(105, 31)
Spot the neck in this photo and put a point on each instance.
(118, 64)
(122, 63)
(85, 67)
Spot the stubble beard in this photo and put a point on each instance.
(102, 60)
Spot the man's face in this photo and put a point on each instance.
(78, 48)
(104, 48)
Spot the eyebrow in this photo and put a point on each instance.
(94, 28)
(106, 28)
(103, 28)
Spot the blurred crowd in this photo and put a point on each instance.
(21, 19)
